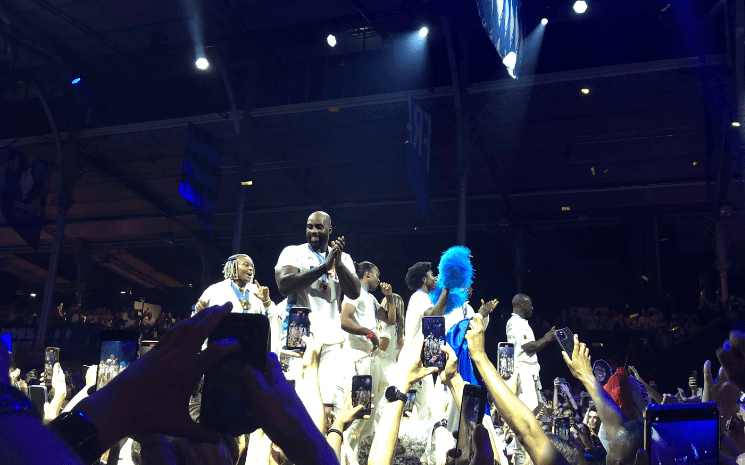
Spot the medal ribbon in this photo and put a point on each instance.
(241, 297)
(320, 258)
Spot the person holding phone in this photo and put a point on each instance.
(316, 276)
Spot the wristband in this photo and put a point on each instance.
(334, 430)
(370, 335)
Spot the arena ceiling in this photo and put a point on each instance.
(649, 136)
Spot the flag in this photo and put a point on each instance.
(501, 20)
(25, 194)
(419, 137)
(200, 174)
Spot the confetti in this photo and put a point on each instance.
(565, 209)
(334, 110)
(645, 278)
(695, 163)
(592, 168)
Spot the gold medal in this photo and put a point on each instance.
(323, 287)
(245, 304)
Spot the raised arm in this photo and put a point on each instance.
(654, 395)
(533, 347)
(387, 312)
(439, 308)
(581, 367)
(350, 284)
(515, 413)
(290, 280)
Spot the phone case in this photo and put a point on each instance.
(471, 414)
(433, 329)
(566, 340)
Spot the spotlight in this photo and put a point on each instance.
(123, 292)
(585, 91)
(580, 6)
(202, 63)
(735, 124)
(75, 81)
(423, 32)
(544, 21)
(331, 39)
(32, 294)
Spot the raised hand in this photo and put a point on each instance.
(487, 307)
(201, 305)
(732, 357)
(387, 289)
(721, 391)
(451, 366)
(581, 364)
(263, 292)
(58, 380)
(347, 413)
(475, 337)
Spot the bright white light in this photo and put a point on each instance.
(544, 21)
(331, 40)
(124, 292)
(202, 63)
(423, 32)
(33, 295)
(735, 124)
(510, 61)
(580, 6)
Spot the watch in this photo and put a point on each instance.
(392, 394)
(443, 423)
(14, 401)
(79, 434)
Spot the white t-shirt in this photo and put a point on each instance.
(222, 292)
(366, 307)
(461, 313)
(518, 333)
(391, 333)
(418, 304)
(326, 306)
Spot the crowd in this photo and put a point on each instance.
(305, 406)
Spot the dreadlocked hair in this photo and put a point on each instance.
(230, 270)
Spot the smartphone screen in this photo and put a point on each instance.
(472, 411)
(506, 359)
(298, 326)
(566, 340)
(683, 433)
(146, 347)
(433, 328)
(561, 427)
(38, 396)
(226, 401)
(410, 401)
(51, 356)
(362, 394)
(118, 350)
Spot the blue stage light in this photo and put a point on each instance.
(423, 32)
(75, 81)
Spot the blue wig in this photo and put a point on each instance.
(456, 273)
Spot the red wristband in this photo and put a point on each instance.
(371, 335)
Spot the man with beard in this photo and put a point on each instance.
(316, 276)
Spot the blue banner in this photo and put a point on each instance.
(501, 20)
(419, 137)
(200, 174)
(25, 194)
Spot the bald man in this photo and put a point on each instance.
(317, 276)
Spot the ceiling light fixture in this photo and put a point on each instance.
(331, 39)
(202, 63)
(423, 32)
(580, 6)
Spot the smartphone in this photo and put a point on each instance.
(118, 349)
(433, 328)
(38, 396)
(51, 356)
(682, 433)
(506, 360)
(472, 411)
(566, 340)
(561, 427)
(146, 347)
(284, 361)
(562, 381)
(410, 401)
(362, 394)
(298, 326)
(226, 402)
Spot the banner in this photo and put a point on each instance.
(419, 135)
(25, 194)
(501, 20)
(200, 174)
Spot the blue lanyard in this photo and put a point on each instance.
(240, 296)
(320, 258)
